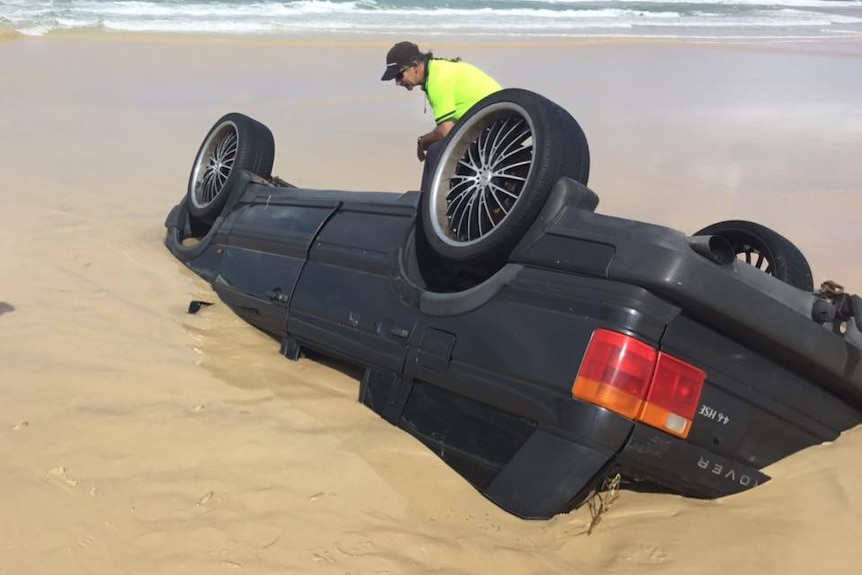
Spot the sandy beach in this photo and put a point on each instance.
(137, 438)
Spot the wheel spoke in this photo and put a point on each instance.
(525, 151)
(502, 140)
(471, 163)
(459, 188)
(456, 188)
(492, 192)
(227, 147)
(494, 210)
(464, 220)
(498, 213)
(510, 177)
(480, 206)
(475, 210)
(208, 185)
(759, 262)
(459, 199)
(455, 222)
(505, 191)
(481, 148)
(497, 128)
(502, 172)
(513, 144)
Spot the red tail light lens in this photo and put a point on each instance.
(673, 396)
(631, 378)
(615, 372)
(676, 386)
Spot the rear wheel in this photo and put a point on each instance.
(495, 171)
(236, 142)
(764, 249)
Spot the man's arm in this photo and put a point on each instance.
(435, 135)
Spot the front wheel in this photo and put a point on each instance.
(235, 143)
(764, 249)
(495, 171)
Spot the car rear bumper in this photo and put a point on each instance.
(534, 471)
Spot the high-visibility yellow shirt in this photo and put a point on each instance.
(454, 87)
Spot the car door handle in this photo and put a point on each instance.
(399, 332)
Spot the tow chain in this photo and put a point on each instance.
(830, 290)
(836, 306)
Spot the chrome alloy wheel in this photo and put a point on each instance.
(214, 164)
(481, 175)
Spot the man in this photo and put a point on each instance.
(452, 88)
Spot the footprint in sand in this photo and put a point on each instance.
(323, 557)
(60, 473)
(644, 554)
(355, 544)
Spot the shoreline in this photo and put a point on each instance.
(378, 38)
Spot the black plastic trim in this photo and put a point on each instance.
(443, 304)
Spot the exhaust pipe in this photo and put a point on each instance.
(714, 248)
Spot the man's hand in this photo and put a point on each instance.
(420, 148)
(432, 137)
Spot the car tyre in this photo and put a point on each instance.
(234, 143)
(764, 249)
(495, 170)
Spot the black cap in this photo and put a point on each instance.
(399, 57)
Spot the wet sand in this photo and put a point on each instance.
(136, 438)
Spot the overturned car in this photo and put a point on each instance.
(536, 346)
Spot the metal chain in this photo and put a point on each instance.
(830, 289)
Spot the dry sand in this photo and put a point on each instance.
(135, 438)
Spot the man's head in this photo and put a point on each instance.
(405, 64)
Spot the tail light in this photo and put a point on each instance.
(633, 379)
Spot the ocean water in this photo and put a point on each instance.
(780, 19)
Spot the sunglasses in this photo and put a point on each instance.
(400, 75)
